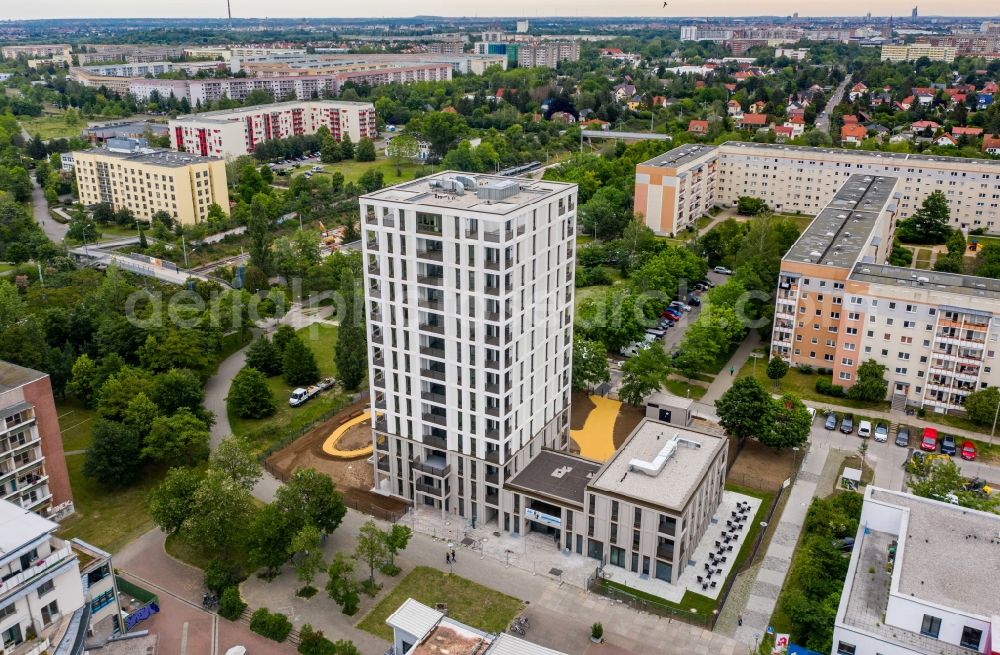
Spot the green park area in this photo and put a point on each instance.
(467, 602)
(51, 125)
(353, 170)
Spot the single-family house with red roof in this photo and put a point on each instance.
(699, 128)
(853, 134)
(753, 121)
(991, 145)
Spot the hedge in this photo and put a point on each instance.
(274, 626)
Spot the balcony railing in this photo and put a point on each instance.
(433, 374)
(434, 441)
(493, 456)
(439, 398)
(432, 255)
(433, 352)
(426, 303)
(430, 280)
(437, 470)
(38, 567)
(435, 328)
(436, 419)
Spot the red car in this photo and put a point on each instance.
(929, 441)
(968, 451)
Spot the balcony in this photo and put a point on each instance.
(433, 374)
(40, 566)
(432, 229)
(20, 447)
(492, 290)
(492, 498)
(427, 303)
(434, 465)
(430, 280)
(431, 255)
(378, 361)
(431, 351)
(436, 419)
(493, 435)
(493, 456)
(492, 478)
(438, 398)
(434, 328)
(434, 441)
(429, 489)
(496, 236)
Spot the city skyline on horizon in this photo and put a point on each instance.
(305, 9)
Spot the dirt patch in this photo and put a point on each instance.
(354, 478)
(759, 467)
(629, 416)
(580, 409)
(357, 436)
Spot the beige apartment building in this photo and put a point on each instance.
(675, 188)
(39, 51)
(914, 51)
(151, 180)
(839, 304)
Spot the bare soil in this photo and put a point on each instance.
(354, 478)
(759, 467)
(580, 409)
(628, 417)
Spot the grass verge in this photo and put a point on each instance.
(50, 126)
(803, 385)
(468, 602)
(685, 390)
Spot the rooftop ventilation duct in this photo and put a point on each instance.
(498, 190)
(467, 181)
(654, 467)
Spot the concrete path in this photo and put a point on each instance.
(724, 379)
(777, 559)
(53, 229)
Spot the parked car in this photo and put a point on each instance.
(694, 302)
(968, 451)
(881, 432)
(831, 421)
(671, 314)
(929, 442)
(677, 304)
(948, 446)
(708, 283)
(722, 270)
(847, 425)
(865, 429)
(903, 437)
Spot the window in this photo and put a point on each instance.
(844, 648)
(971, 637)
(931, 626)
(50, 613)
(46, 588)
(9, 610)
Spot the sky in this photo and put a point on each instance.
(12, 9)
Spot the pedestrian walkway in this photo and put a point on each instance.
(777, 560)
(724, 379)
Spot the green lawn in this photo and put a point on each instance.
(51, 126)
(288, 421)
(353, 170)
(802, 385)
(801, 221)
(468, 602)
(5, 269)
(923, 258)
(582, 293)
(681, 388)
(106, 518)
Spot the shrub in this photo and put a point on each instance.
(221, 575)
(828, 388)
(275, 626)
(597, 631)
(312, 642)
(231, 606)
(805, 369)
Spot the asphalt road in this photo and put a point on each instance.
(55, 230)
(823, 120)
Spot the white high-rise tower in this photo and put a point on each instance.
(469, 299)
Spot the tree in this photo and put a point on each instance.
(308, 559)
(615, 319)
(371, 548)
(259, 231)
(643, 374)
(329, 151)
(311, 498)
(264, 356)
(352, 351)
(981, 406)
(396, 539)
(113, 456)
(235, 458)
(346, 147)
(929, 224)
(590, 363)
(250, 396)
(177, 389)
(777, 368)
(84, 380)
(181, 438)
(170, 502)
(81, 228)
(282, 336)
(365, 150)
(440, 128)
(340, 586)
(401, 149)
(269, 538)
(371, 180)
(299, 363)
(750, 206)
(790, 425)
(220, 511)
(746, 409)
(871, 385)
(140, 413)
(942, 480)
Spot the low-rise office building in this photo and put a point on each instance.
(33, 472)
(920, 581)
(234, 132)
(644, 510)
(151, 180)
(800, 179)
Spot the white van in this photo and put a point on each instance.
(865, 429)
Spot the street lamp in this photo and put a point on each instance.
(795, 466)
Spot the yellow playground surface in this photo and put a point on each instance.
(330, 445)
(597, 437)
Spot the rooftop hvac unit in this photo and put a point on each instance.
(498, 191)
(654, 467)
(466, 181)
(448, 185)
